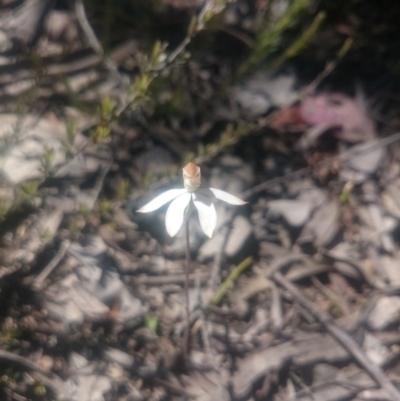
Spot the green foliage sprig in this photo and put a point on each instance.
(270, 35)
(230, 136)
(301, 43)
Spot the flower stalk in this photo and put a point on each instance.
(186, 289)
(183, 202)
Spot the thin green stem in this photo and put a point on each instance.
(235, 273)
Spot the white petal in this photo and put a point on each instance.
(175, 213)
(207, 213)
(161, 200)
(226, 197)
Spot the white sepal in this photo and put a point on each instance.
(175, 213)
(161, 200)
(227, 197)
(207, 213)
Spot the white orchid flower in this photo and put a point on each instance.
(202, 199)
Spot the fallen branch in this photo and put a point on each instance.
(38, 282)
(94, 42)
(49, 379)
(340, 336)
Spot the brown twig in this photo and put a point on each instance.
(172, 279)
(242, 37)
(93, 41)
(49, 379)
(341, 336)
(341, 157)
(38, 282)
(215, 276)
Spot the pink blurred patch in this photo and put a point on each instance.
(338, 111)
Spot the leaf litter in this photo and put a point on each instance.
(97, 299)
